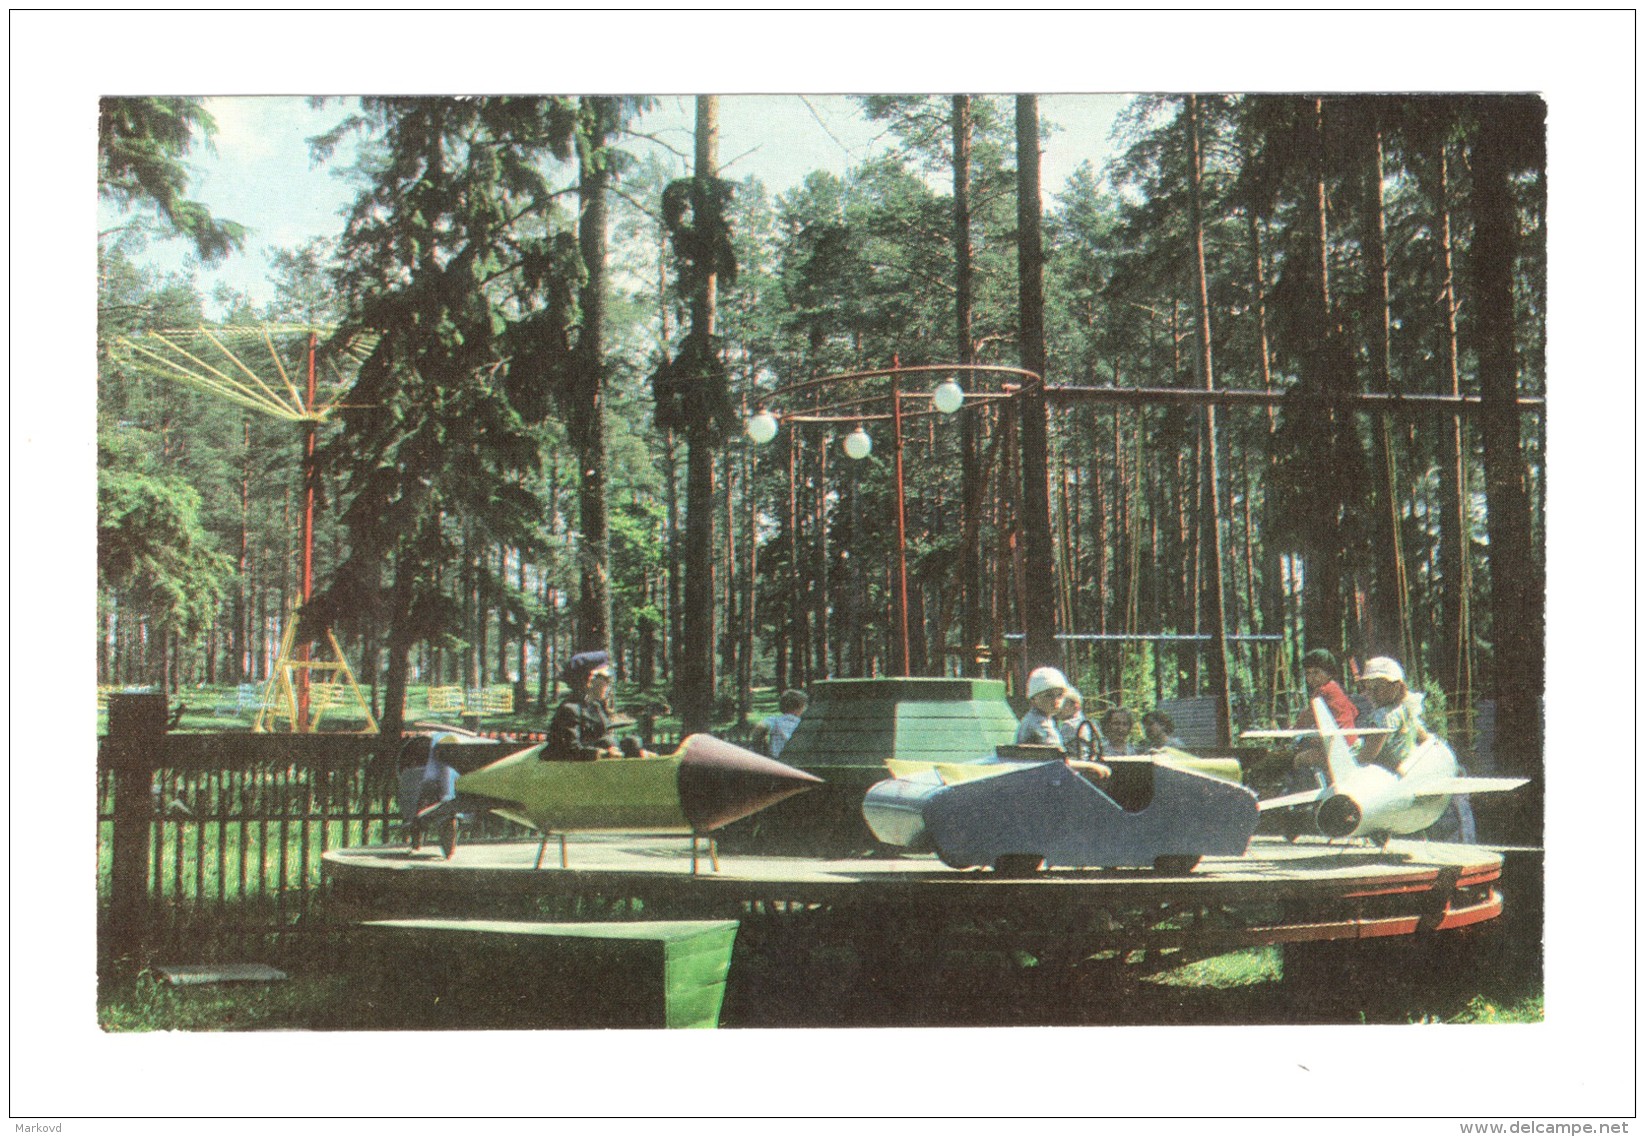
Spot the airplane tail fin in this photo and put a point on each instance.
(1338, 760)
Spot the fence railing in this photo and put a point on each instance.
(225, 834)
(248, 837)
(234, 826)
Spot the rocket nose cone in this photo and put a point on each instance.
(720, 783)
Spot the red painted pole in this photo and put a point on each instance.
(310, 474)
(902, 519)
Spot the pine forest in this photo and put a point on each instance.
(1270, 378)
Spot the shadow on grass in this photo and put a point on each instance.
(812, 980)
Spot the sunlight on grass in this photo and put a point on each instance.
(152, 1004)
(1526, 1009)
(1236, 969)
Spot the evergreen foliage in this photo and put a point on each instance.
(452, 535)
(141, 144)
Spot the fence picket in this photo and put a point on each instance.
(256, 829)
(305, 800)
(282, 779)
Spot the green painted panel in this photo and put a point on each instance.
(972, 709)
(479, 974)
(854, 725)
(701, 957)
(695, 976)
(696, 1009)
(860, 732)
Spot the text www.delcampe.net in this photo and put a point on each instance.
(1543, 1128)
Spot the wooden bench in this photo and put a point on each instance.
(248, 699)
(445, 700)
(1195, 720)
(491, 701)
(510, 974)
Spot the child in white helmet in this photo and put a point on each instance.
(1046, 687)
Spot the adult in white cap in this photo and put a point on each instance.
(1394, 708)
(1046, 687)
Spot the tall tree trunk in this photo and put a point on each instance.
(694, 683)
(400, 643)
(671, 499)
(521, 654)
(241, 611)
(852, 608)
(586, 425)
(1327, 371)
(1099, 534)
(797, 623)
(1008, 572)
(501, 608)
(819, 570)
(745, 680)
(1255, 621)
(1390, 604)
(1072, 617)
(1456, 655)
(545, 649)
(1039, 614)
(1272, 602)
(732, 624)
(971, 479)
(671, 481)
(1516, 564)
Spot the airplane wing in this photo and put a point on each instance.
(1468, 785)
(905, 768)
(1311, 733)
(462, 803)
(1304, 798)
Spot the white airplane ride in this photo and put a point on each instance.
(1373, 801)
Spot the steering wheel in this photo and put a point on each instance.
(1087, 742)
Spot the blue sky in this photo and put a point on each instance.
(258, 172)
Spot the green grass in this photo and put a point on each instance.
(148, 1003)
(255, 861)
(1220, 973)
(201, 715)
(1524, 1008)
(812, 983)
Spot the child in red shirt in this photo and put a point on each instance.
(1319, 672)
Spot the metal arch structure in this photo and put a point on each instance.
(803, 401)
(215, 360)
(878, 395)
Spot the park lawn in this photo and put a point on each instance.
(1239, 988)
(202, 713)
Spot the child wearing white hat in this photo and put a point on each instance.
(1046, 687)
